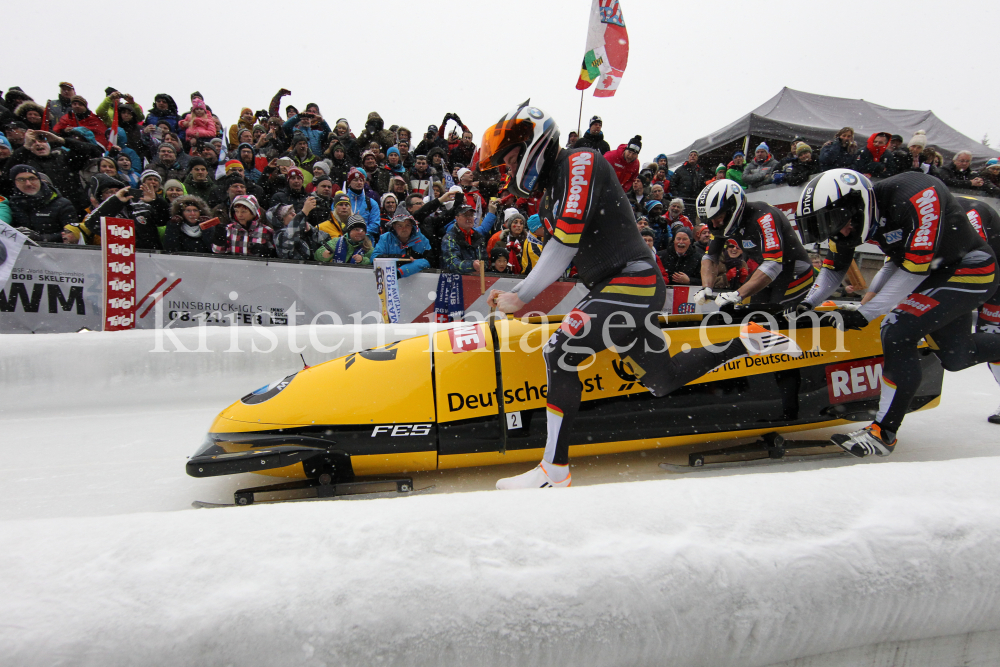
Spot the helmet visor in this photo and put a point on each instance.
(501, 138)
(824, 224)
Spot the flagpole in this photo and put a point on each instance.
(579, 117)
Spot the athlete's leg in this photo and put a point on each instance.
(941, 311)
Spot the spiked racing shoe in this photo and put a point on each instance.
(869, 440)
(536, 478)
(758, 340)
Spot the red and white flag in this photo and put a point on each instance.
(113, 139)
(607, 49)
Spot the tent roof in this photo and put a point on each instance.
(793, 113)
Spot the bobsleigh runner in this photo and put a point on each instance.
(369, 419)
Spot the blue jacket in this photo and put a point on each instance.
(370, 211)
(314, 136)
(485, 227)
(834, 155)
(389, 246)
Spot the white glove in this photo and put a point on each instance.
(703, 296)
(853, 305)
(728, 299)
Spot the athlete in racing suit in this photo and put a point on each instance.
(590, 223)
(938, 270)
(784, 274)
(986, 221)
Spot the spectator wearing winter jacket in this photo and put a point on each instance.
(294, 192)
(36, 208)
(312, 127)
(393, 167)
(244, 122)
(375, 131)
(594, 137)
(682, 259)
(130, 118)
(463, 248)
(31, 114)
(897, 158)
(462, 154)
(363, 204)
(336, 155)
(431, 139)
(760, 170)
(625, 160)
(62, 167)
(840, 152)
(354, 247)
(164, 110)
(689, 180)
(198, 180)
(184, 232)
(733, 270)
(148, 211)
(870, 158)
(81, 116)
(421, 176)
(802, 169)
(295, 237)
(198, 124)
(245, 154)
(959, 174)
(404, 241)
(247, 234)
(636, 195)
(675, 214)
(59, 107)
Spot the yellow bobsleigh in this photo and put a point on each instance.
(430, 402)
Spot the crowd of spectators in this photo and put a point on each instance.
(288, 183)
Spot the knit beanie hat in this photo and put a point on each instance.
(534, 223)
(511, 213)
(762, 146)
(197, 162)
(595, 119)
(74, 230)
(721, 168)
(355, 221)
(79, 98)
(19, 169)
(803, 148)
(197, 103)
(150, 173)
(387, 195)
(463, 171)
(174, 183)
(919, 138)
(653, 203)
(5, 142)
(635, 143)
(340, 197)
(232, 164)
(738, 154)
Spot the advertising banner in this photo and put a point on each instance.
(387, 288)
(118, 266)
(11, 242)
(60, 289)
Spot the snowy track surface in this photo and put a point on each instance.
(893, 562)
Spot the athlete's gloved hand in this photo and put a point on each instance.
(704, 296)
(845, 320)
(728, 299)
(854, 305)
(801, 308)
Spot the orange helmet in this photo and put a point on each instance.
(529, 128)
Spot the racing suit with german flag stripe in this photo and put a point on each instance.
(986, 221)
(765, 235)
(938, 270)
(591, 224)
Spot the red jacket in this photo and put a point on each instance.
(91, 122)
(626, 171)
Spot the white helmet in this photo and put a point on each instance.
(538, 136)
(833, 199)
(723, 196)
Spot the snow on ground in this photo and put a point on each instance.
(813, 564)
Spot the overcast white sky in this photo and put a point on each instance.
(413, 61)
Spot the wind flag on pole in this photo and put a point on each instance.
(607, 49)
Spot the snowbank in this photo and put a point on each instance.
(746, 571)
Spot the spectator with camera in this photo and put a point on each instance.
(114, 199)
(375, 131)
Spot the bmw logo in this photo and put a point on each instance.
(535, 113)
(849, 178)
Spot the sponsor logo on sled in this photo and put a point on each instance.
(854, 380)
(397, 430)
(467, 337)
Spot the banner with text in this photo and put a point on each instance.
(118, 265)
